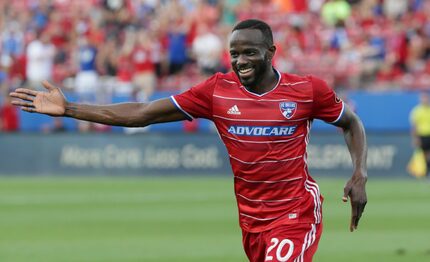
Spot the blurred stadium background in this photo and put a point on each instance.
(76, 191)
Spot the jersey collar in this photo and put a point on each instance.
(263, 94)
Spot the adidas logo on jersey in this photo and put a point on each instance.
(234, 110)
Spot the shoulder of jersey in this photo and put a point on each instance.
(292, 79)
(230, 76)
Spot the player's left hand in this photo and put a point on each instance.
(355, 190)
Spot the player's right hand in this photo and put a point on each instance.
(51, 103)
(355, 190)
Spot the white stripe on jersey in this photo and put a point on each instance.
(260, 120)
(309, 186)
(318, 194)
(317, 202)
(256, 218)
(308, 241)
(262, 142)
(266, 161)
(340, 114)
(295, 83)
(180, 108)
(260, 100)
(269, 200)
(230, 82)
(268, 181)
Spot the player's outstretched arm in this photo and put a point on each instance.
(53, 103)
(355, 188)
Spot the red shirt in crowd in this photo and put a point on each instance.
(9, 118)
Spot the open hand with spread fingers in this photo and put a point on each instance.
(51, 103)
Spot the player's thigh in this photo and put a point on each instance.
(292, 243)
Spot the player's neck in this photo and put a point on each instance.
(266, 84)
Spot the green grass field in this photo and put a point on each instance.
(130, 219)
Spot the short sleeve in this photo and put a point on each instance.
(327, 106)
(197, 101)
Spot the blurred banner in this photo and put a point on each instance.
(179, 154)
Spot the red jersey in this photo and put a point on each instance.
(142, 60)
(266, 137)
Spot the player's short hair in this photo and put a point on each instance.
(259, 25)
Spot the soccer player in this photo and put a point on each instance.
(263, 117)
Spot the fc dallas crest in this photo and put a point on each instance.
(288, 109)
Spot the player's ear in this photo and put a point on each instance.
(271, 52)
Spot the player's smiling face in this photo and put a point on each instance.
(251, 57)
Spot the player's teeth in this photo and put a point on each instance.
(245, 70)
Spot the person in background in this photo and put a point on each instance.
(12, 40)
(420, 126)
(9, 116)
(40, 60)
(86, 81)
(207, 48)
(143, 57)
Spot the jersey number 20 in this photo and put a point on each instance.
(279, 247)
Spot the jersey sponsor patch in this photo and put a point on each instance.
(262, 130)
(288, 109)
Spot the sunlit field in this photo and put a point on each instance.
(102, 219)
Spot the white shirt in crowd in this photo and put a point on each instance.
(40, 60)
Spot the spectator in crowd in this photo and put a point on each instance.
(12, 40)
(394, 8)
(107, 57)
(40, 60)
(144, 56)
(229, 11)
(125, 69)
(3, 76)
(9, 117)
(334, 11)
(177, 49)
(207, 49)
(86, 81)
(389, 75)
